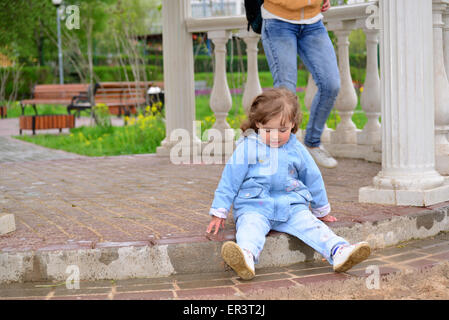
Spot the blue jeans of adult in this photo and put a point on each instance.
(252, 229)
(282, 42)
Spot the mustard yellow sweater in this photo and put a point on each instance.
(293, 9)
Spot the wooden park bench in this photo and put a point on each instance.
(122, 98)
(54, 94)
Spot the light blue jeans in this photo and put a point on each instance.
(252, 229)
(282, 42)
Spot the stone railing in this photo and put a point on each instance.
(412, 140)
(219, 31)
(346, 140)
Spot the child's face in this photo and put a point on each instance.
(273, 133)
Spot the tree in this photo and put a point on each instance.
(22, 25)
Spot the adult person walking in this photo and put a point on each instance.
(292, 27)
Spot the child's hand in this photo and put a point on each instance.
(328, 218)
(216, 222)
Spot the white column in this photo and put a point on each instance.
(370, 98)
(345, 132)
(446, 44)
(446, 39)
(311, 91)
(252, 86)
(408, 175)
(441, 90)
(178, 76)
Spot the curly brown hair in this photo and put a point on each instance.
(270, 104)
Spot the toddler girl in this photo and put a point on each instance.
(273, 183)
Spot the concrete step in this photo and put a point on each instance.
(180, 255)
(269, 283)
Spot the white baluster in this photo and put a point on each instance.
(370, 98)
(220, 98)
(441, 91)
(408, 175)
(252, 86)
(345, 133)
(311, 91)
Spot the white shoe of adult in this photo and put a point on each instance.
(322, 157)
(348, 256)
(239, 259)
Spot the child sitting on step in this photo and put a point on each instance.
(273, 183)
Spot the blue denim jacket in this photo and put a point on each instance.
(274, 182)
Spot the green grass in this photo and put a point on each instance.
(143, 135)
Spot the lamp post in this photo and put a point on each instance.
(57, 3)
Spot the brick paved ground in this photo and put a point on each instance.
(61, 199)
(413, 255)
(140, 198)
(13, 150)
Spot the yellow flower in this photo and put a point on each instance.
(153, 109)
(361, 89)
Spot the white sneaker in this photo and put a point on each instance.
(322, 157)
(240, 260)
(348, 256)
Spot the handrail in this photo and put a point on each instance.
(338, 13)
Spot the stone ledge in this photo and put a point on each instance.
(419, 198)
(136, 260)
(354, 151)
